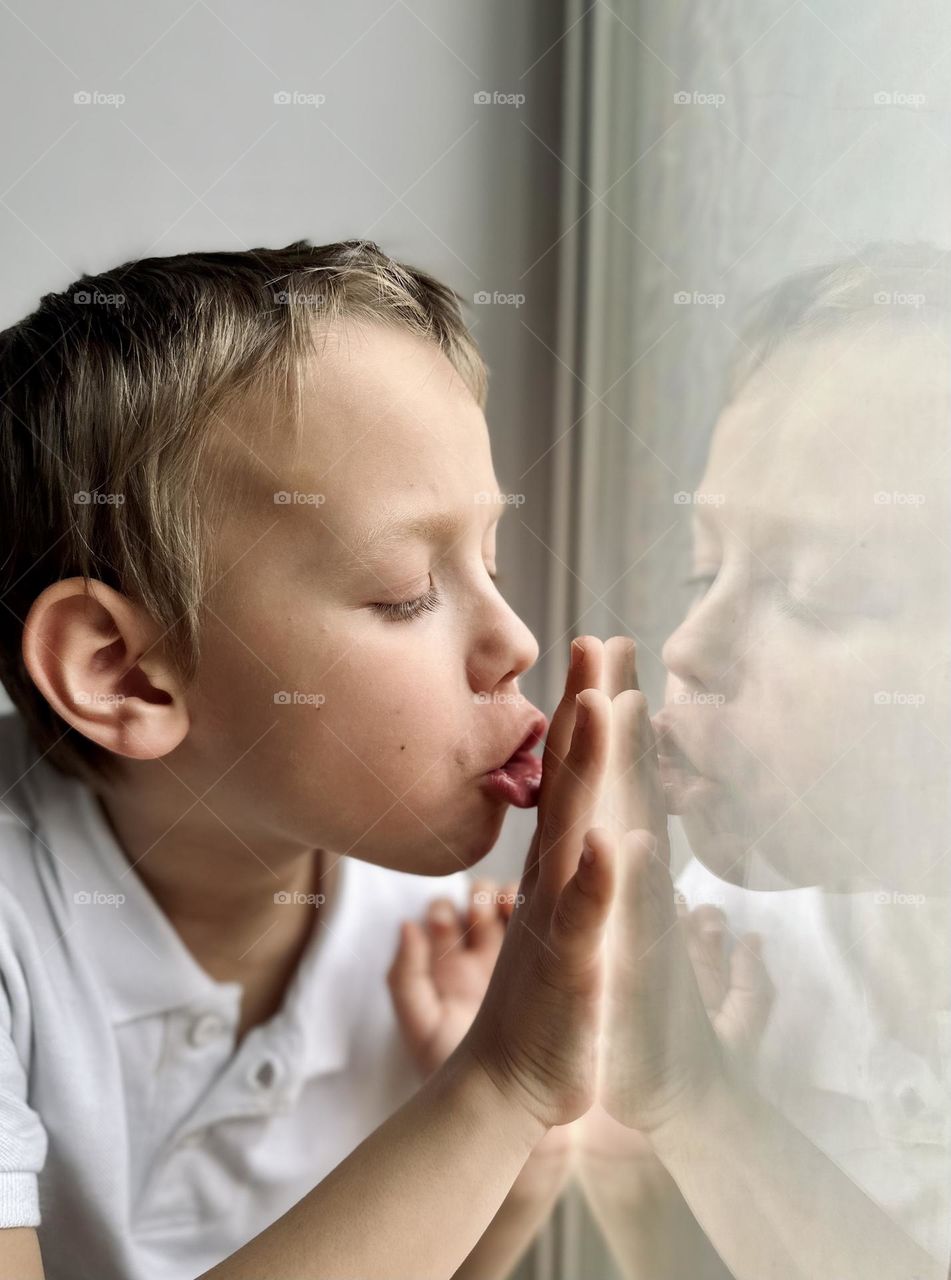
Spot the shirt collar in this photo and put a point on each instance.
(143, 966)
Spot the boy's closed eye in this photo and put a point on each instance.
(405, 610)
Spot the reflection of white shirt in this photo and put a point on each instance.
(876, 1109)
(130, 1130)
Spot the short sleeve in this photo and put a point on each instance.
(23, 1139)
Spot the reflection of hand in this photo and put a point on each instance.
(737, 994)
(675, 1001)
(633, 1197)
(734, 985)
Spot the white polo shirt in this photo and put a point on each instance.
(131, 1135)
(878, 1110)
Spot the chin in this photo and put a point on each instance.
(432, 857)
(725, 855)
(794, 858)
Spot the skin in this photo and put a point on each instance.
(224, 801)
(437, 981)
(527, 1063)
(641, 1100)
(250, 797)
(812, 599)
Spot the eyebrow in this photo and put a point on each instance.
(392, 531)
(778, 522)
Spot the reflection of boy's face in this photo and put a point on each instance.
(807, 682)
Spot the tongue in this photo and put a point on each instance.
(524, 775)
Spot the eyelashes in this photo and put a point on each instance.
(406, 610)
(695, 581)
(787, 605)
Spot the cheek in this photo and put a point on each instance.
(389, 697)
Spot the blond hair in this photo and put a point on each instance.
(886, 282)
(109, 391)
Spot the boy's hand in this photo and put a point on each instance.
(437, 981)
(442, 968)
(535, 1034)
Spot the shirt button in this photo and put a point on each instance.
(910, 1101)
(264, 1074)
(206, 1029)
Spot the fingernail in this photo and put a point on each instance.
(587, 853)
(577, 648)
(582, 711)
(631, 665)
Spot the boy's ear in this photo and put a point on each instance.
(88, 650)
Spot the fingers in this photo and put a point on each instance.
(508, 900)
(444, 925)
(634, 793)
(583, 673)
(745, 1011)
(570, 805)
(582, 909)
(706, 945)
(619, 666)
(648, 910)
(483, 918)
(410, 981)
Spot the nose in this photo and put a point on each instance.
(702, 652)
(503, 649)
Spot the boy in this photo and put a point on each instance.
(250, 626)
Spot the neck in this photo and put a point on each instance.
(245, 913)
(898, 951)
